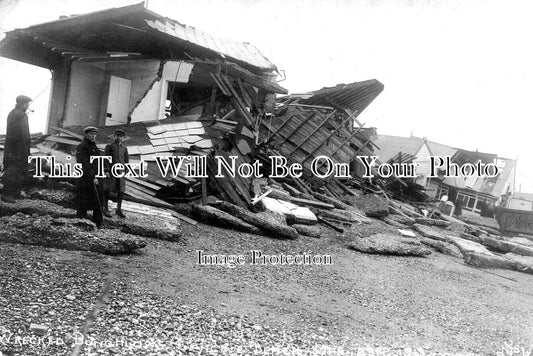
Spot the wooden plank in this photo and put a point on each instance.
(247, 99)
(221, 85)
(329, 191)
(300, 185)
(245, 183)
(291, 189)
(238, 101)
(204, 191)
(226, 188)
(328, 223)
(304, 120)
(311, 154)
(223, 127)
(62, 140)
(68, 132)
(226, 117)
(161, 204)
(312, 106)
(345, 188)
(318, 204)
(279, 128)
(163, 183)
(259, 198)
(225, 121)
(142, 209)
(338, 148)
(241, 184)
(314, 131)
(144, 183)
(156, 129)
(136, 193)
(140, 188)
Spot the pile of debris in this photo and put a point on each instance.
(299, 130)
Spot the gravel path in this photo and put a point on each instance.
(163, 303)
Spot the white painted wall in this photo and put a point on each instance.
(422, 158)
(85, 95)
(151, 106)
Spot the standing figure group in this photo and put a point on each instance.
(94, 193)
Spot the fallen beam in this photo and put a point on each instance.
(216, 217)
(307, 202)
(274, 230)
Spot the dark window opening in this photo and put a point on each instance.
(182, 99)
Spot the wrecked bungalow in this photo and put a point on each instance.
(177, 90)
(153, 77)
(129, 64)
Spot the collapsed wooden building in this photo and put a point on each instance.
(171, 87)
(177, 90)
(323, 123)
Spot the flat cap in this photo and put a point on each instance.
(120, 132)
(22, 99)
(90, 129)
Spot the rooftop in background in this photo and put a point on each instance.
(390, 146)
(134, 31)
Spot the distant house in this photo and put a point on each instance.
(521, 201)
(473, 190)
(411, 149)
(129, 64)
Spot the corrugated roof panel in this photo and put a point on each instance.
(75, 31)
(237, 50)
(355, 96)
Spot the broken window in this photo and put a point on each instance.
(468, 200)
(184, 99)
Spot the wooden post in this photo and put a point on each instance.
(204, 192)
(211, 105)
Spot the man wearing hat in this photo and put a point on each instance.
(16, 150)
(119, 154)
(89, 192)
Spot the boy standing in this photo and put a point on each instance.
(119, 154)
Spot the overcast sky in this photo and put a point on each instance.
(456, 72)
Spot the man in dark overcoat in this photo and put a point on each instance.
(89, 192)
(16, 150)
(119, 154)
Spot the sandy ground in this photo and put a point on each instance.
(361, 304)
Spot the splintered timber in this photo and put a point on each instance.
(321, 167)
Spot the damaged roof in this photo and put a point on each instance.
(353, 97)
(350, 98)
(390, 146)
(126, 31)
